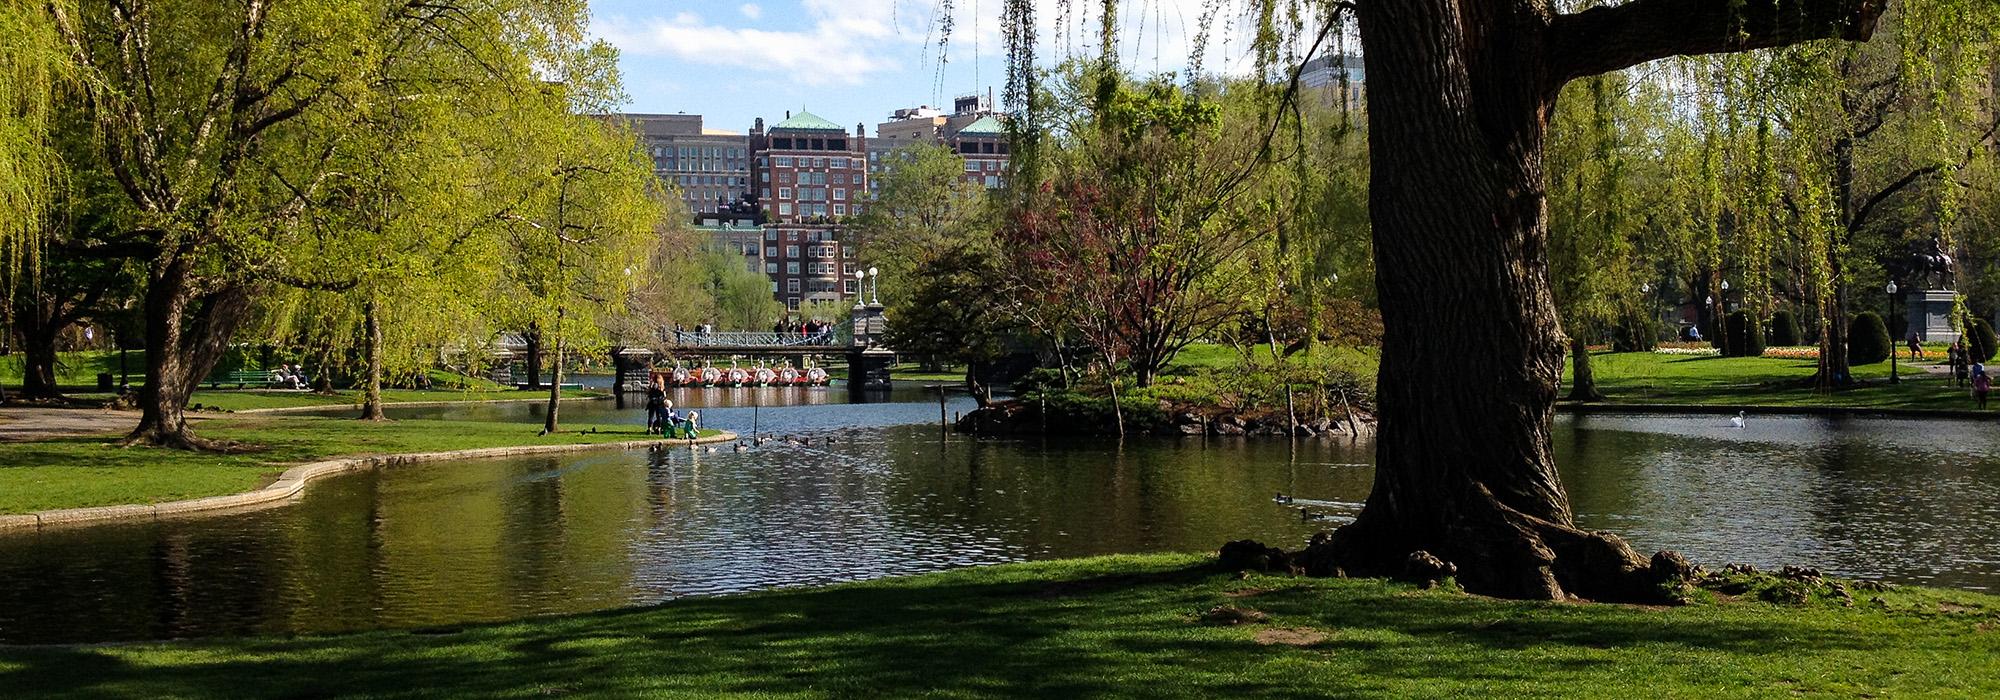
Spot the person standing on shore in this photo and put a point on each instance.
(656, 407)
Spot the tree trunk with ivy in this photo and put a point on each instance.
(1460, 93)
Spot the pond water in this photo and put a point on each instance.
(451, 543)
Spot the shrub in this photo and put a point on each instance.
(1980, 340)
(1746, 335)
(1785, 329)
(1867, 339)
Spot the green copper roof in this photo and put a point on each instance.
(986, 126)
(807, 120)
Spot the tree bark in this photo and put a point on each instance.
(1460, 92)
(185, 337)
(1583, 379)
(38, 355)
(533, 339)
(553, 423)
(371, 403)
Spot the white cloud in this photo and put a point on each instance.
(751, 10)
(842, 41)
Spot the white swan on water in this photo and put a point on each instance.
(1736, 422)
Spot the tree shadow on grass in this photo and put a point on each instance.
(1091, 632)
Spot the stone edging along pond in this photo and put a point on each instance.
(293, 481)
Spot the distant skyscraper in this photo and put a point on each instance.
(1322, 75)
(973, 130)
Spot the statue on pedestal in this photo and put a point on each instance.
(1928, 260)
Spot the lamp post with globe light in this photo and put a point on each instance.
(874, 287)
(1894, 378)
(859, 296)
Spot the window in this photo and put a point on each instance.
(785, 178)
(766, 192)
(847, 253)
(770, 251)
(793, 302)
(847, 269)
(784, 193)
(770, 234)
(770, 268)
(850, 287)
(792, 285)
(784, 209)
(992, 181)
(971, 166)
(792, 251)
(839, 193)
(784, 161)
(840, 210)
(774, 286)
(765, 176)
(792, 268)
(792, 236)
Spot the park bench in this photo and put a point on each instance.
(241, 378)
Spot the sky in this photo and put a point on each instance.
(855, 61)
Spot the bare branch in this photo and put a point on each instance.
(1611, 37)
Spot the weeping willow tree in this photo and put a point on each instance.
(1823, 162)
(408, 226)
(1459, 93)
(33, 66)
(1596, 213)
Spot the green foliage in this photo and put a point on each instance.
(1868, 339)
(1785, 329)
(1746, 335)
(741, 295)
(1980, 340)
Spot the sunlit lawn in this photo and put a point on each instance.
(1646, 377)
(81, 472)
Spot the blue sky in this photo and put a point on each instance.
(856, 60)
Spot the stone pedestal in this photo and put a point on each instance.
(868, 370)
(1928, 313)
(634, 368)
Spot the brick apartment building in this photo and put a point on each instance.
(810, 175)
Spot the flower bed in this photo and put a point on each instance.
(1795, 352)
(1686, 349)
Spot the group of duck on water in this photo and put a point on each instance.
(734, 376)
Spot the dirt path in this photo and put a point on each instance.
(24, 423)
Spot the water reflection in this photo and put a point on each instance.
(878, 493)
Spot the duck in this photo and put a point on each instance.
(740, 447)
(1737, 422)
(1281, 498)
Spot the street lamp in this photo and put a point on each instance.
(859, 296)
(1894, 378)
(874, 286)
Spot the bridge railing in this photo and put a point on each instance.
(836, 336)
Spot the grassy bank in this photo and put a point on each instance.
(247, 399)
(1654, 378)
(1116, 626)
(83, 472)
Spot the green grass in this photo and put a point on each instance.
(1128, 626)
(1645, 377)
(246, 399)
(910, 372)
(83, 472)
(79, 368)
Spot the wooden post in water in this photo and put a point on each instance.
(944, 426)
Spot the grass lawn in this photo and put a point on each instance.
(245, 399)
(911, 372)
(82, 472)
(1646, 377)
(1130, 626)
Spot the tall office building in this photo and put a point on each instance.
(810, 175)
(710, 166)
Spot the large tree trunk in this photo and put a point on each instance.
(38, 354)
(371, 403)
(1583, 379)
(1460, 92)
(185, 337)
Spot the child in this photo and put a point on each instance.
(1981, 384)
